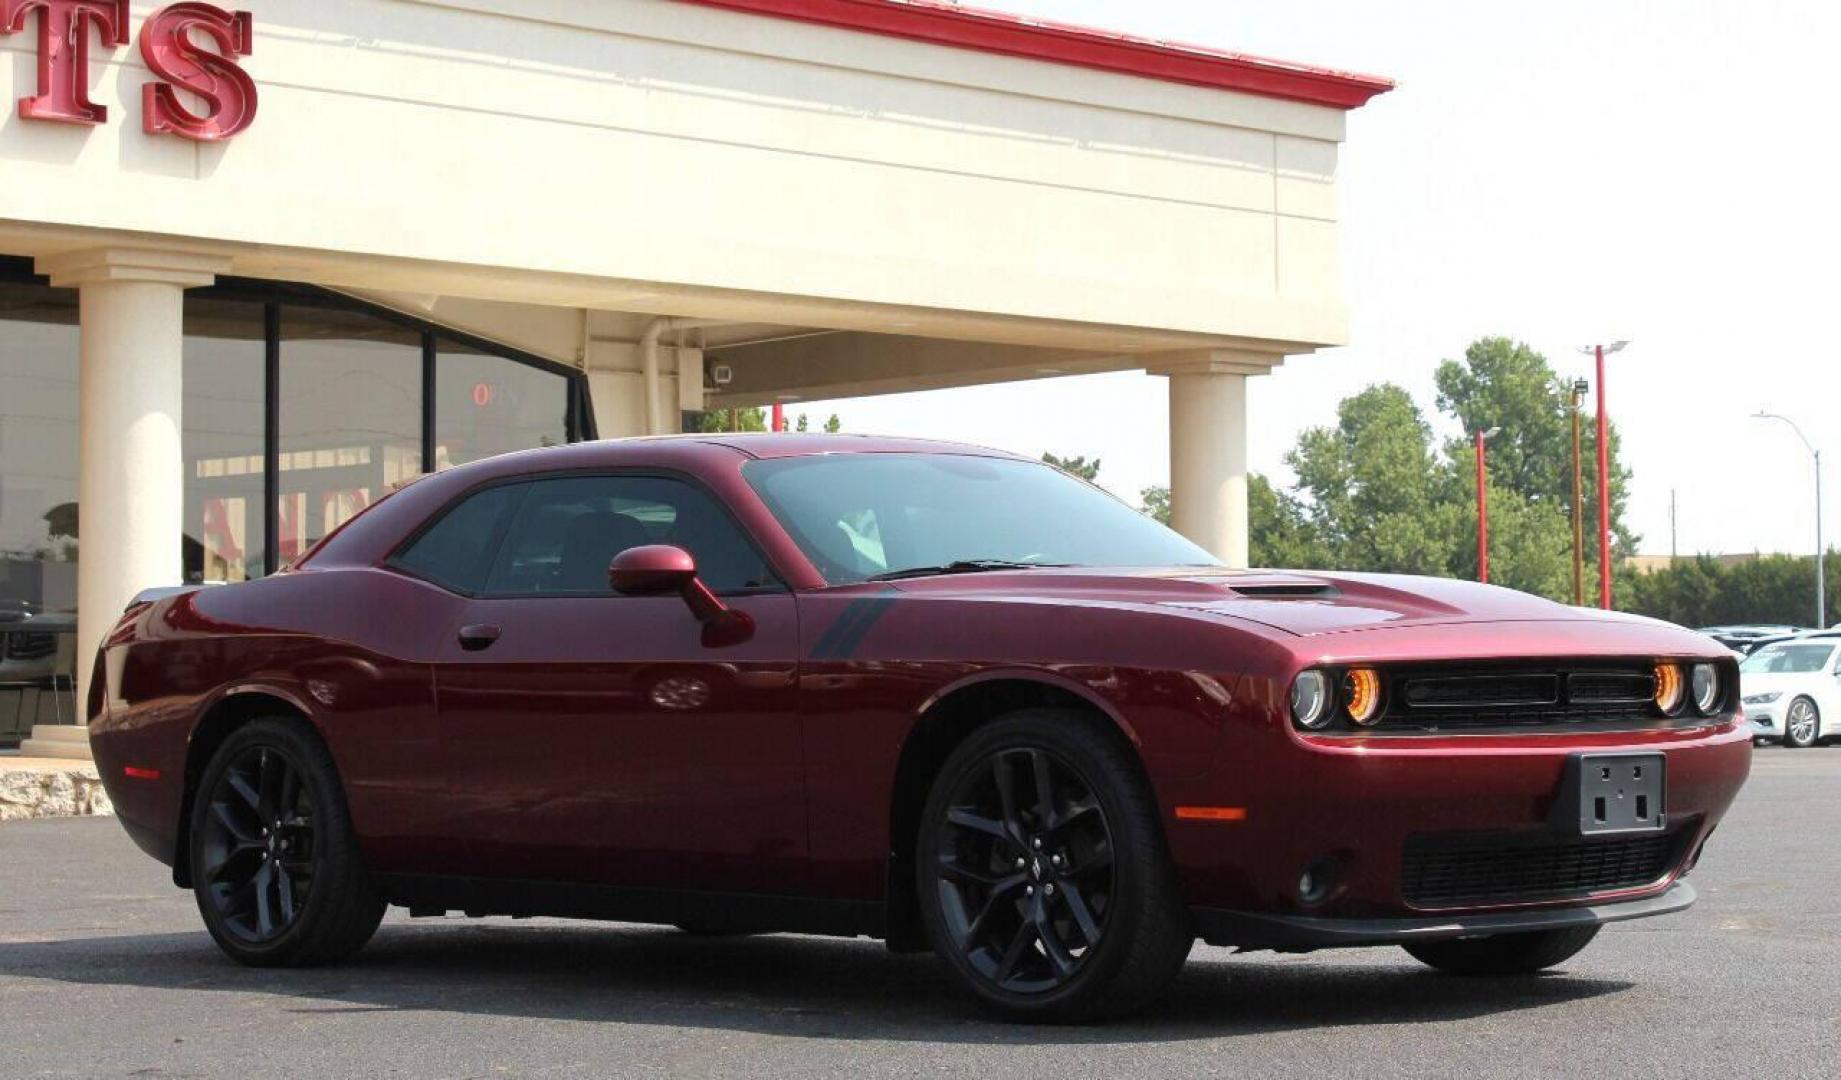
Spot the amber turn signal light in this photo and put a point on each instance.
(1361, 689)
(1669, 687)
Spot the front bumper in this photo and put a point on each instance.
(1302, 933)
(1766, 721)
(1354, 812)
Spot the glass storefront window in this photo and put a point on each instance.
(225, 350)
(351, 418)
(38, 507)
(352, 424)
(487, 405)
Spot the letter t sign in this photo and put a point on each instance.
(63, 53)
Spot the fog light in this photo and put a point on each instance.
(1318, 879)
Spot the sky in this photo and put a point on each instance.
(1558, 173)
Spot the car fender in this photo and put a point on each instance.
(1046, 676)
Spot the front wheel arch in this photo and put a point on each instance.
(948, 720)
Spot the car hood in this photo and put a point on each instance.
(1297, 603)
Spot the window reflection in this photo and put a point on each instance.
(486, 405)
(224, 356)
(38, 507)
(351, 419)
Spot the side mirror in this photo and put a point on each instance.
(663, 569)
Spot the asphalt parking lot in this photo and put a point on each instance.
(104, 971)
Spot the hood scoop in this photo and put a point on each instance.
(1297, 589)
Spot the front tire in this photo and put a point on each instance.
(1042, 874)
(275, 865)
(1504, 954)
(1802, 724)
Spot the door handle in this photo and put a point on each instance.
(475, 638)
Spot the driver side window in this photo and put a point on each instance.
(569, 529)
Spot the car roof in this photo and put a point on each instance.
(1802, 639)
(764, 445)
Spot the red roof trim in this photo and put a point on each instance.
(1013, 35)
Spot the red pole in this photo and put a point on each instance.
(1604, 493)
(779, 417)
(1482, 514)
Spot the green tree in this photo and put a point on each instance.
(1279, 535)
(1505, 384)
(1075, 466)
(1372, 493)
(716, 420)
(1155, 501)
(1700, 591)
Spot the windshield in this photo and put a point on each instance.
(862, 516)
(1788, 659)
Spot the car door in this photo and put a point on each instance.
(596, 738)
(1828, 702)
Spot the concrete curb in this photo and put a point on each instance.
(46, 788)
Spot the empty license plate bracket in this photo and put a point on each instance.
(1610, 794)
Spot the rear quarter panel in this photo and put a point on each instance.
(348, 648)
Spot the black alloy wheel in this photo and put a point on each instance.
(258, 843)
(1042, 873)
(1025, 878)
(275, 864)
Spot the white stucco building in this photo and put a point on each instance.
(454, 227)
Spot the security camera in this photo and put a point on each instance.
(721, 374)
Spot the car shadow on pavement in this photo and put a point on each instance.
(781, 985)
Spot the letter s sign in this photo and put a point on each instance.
(170, 46)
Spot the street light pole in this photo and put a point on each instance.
(1821, 575)
(1483, 437)
(1579, 387)
(1604, 478)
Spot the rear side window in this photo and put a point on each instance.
(457, 550)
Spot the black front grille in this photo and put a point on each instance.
(1516, 696)
(1480, 869)
(1473, 691)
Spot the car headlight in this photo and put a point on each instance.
(1310, 700)
(1704, 684)
(1361, 695)
(1669, 689)
(1763, 699)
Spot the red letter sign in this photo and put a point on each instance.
(170, 49)
(63, 53)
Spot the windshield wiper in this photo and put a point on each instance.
(962, 566)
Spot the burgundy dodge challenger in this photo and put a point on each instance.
(930, 693)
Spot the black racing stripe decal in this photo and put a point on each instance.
(841, 638)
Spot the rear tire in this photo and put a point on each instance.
(275, 864)
(1042, 874)
(1802, 724)
(1504, 954)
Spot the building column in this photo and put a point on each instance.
(617, 387)
(1208, 447)
(131, 485)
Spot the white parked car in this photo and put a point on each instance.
(1792, 689)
